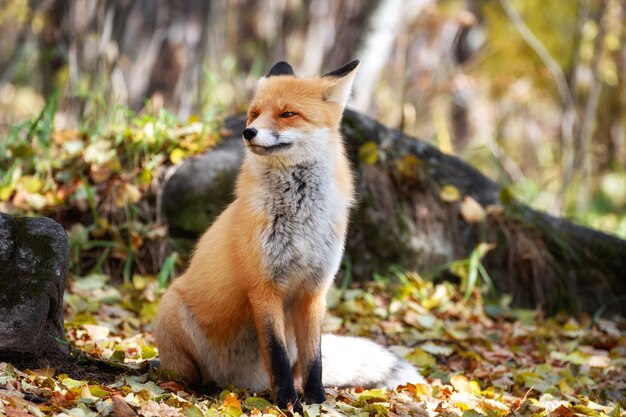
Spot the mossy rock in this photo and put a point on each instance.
(34, 259)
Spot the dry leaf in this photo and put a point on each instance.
(450, 194)
(121, 409)
(472, 211)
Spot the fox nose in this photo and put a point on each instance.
(249, 133)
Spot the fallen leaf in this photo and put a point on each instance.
(12, 412)
(421, 359)
(368, 153)
(177, 155)
(193, 411)
(562, 411)
(472, 211)
(44, 372)
(256, 402)
(97, 333)
(172, 386)
(231, 405)
(450, 194)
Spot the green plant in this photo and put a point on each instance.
(101, 183)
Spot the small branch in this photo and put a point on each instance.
(541, 51)
(569, 120)
(588, 125)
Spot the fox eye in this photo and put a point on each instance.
(254, 115)
(287, 114)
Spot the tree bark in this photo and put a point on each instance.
(401, 219)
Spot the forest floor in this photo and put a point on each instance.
(479, 359)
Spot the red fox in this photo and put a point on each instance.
(249, 309)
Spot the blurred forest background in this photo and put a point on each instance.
(531, 92)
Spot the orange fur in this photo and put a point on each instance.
(227, 286)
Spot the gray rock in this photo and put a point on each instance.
(199, 188)
(34, 258)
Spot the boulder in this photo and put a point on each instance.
(34, 259)
(197, 190)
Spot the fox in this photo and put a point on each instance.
(249, 309)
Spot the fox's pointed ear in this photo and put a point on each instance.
(339, 91)
(280, 68)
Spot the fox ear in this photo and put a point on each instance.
(339, 91)
(280, 68)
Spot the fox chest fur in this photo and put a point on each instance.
(303, 240)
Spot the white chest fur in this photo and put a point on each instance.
(300, 245)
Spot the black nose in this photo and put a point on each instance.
(249, 133)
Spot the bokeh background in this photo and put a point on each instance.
(532, 92)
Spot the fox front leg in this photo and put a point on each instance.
(308, 318)
(269, 319)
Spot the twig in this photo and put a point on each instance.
(588, 125)
(570, 118)
(541, 51)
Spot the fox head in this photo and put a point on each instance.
(292, 120)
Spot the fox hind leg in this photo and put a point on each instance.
(174, 342)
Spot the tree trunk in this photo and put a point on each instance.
(407, 215)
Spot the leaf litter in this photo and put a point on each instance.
(479, 358)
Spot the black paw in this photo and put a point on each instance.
(314, 394)
(211, 389)
(288, 400)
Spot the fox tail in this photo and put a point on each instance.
(354, 361)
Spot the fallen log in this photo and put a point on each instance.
(419, 208)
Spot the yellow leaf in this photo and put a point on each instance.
(450, 194)
(420, 358)
(101, 173)
(140, 282)
(231, 405)
(177, 155)
(30, 183)
(98, 391)
(148, 352)
(127, 194)
(460, 383)
(71, 383)
(145, 177)
(373, 394)
(472, 211)
(62, 136)
(423, 389)
(36, 201)
(6, 191)
(368, 153)
(581, 409)
(408, 165)
(565, 388)
(148, 310)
